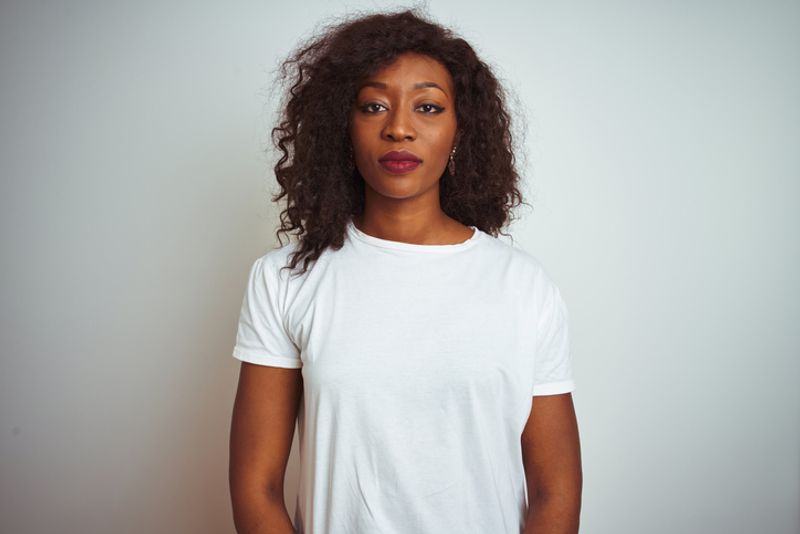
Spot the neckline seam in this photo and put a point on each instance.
(413, 247)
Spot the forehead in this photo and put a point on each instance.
(411, 68)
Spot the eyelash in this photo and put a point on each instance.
(439, 109)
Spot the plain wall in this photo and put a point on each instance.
(661, 158)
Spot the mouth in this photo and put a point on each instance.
(399, 166)
(399, 162)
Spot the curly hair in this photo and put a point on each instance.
(316, 176)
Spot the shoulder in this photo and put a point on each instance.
(276, 264)
(278, 256)
(266, 269)
(516, 259)
(523, 273)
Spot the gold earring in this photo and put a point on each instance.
(451, 165)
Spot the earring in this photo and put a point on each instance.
(451, 165)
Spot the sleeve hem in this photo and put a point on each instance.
(261, 358)
(554, 388)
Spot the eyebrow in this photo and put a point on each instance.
(420, 85)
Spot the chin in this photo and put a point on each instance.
(401, 186)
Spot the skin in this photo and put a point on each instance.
(551, 456)
(401, 208)
(262, 429)
(397, 116)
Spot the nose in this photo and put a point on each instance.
(398, 126)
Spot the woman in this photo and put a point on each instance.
(426, 362)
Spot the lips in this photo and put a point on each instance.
(399, 162)
(402, 155)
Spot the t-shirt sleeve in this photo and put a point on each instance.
(261, 337)
(553, 362)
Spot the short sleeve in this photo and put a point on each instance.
(553, 362)
(261, 337)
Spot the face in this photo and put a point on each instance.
(406, 106)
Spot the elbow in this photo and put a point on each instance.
(555, 507)
(564, 493)
(258, 509)
(568, 488)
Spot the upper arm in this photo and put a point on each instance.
(551, 448)
(262, 428)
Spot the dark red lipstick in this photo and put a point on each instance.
(399, 162)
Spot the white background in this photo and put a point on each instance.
(661, 158)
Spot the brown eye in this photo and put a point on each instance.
(437, 109)
(366, 107)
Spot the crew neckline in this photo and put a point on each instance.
(412, 247)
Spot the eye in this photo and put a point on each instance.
(366, 107)
(438, 109)
(431, 109)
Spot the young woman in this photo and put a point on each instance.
(426, 361)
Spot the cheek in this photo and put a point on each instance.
(446, 133)
(444, 142)
(361, 147)
(359, 133)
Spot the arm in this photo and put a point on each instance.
(552, 459)
(262, 428)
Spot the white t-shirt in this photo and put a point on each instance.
(419, 363)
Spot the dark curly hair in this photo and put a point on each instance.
(322, 189)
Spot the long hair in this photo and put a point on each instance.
(316, 177)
